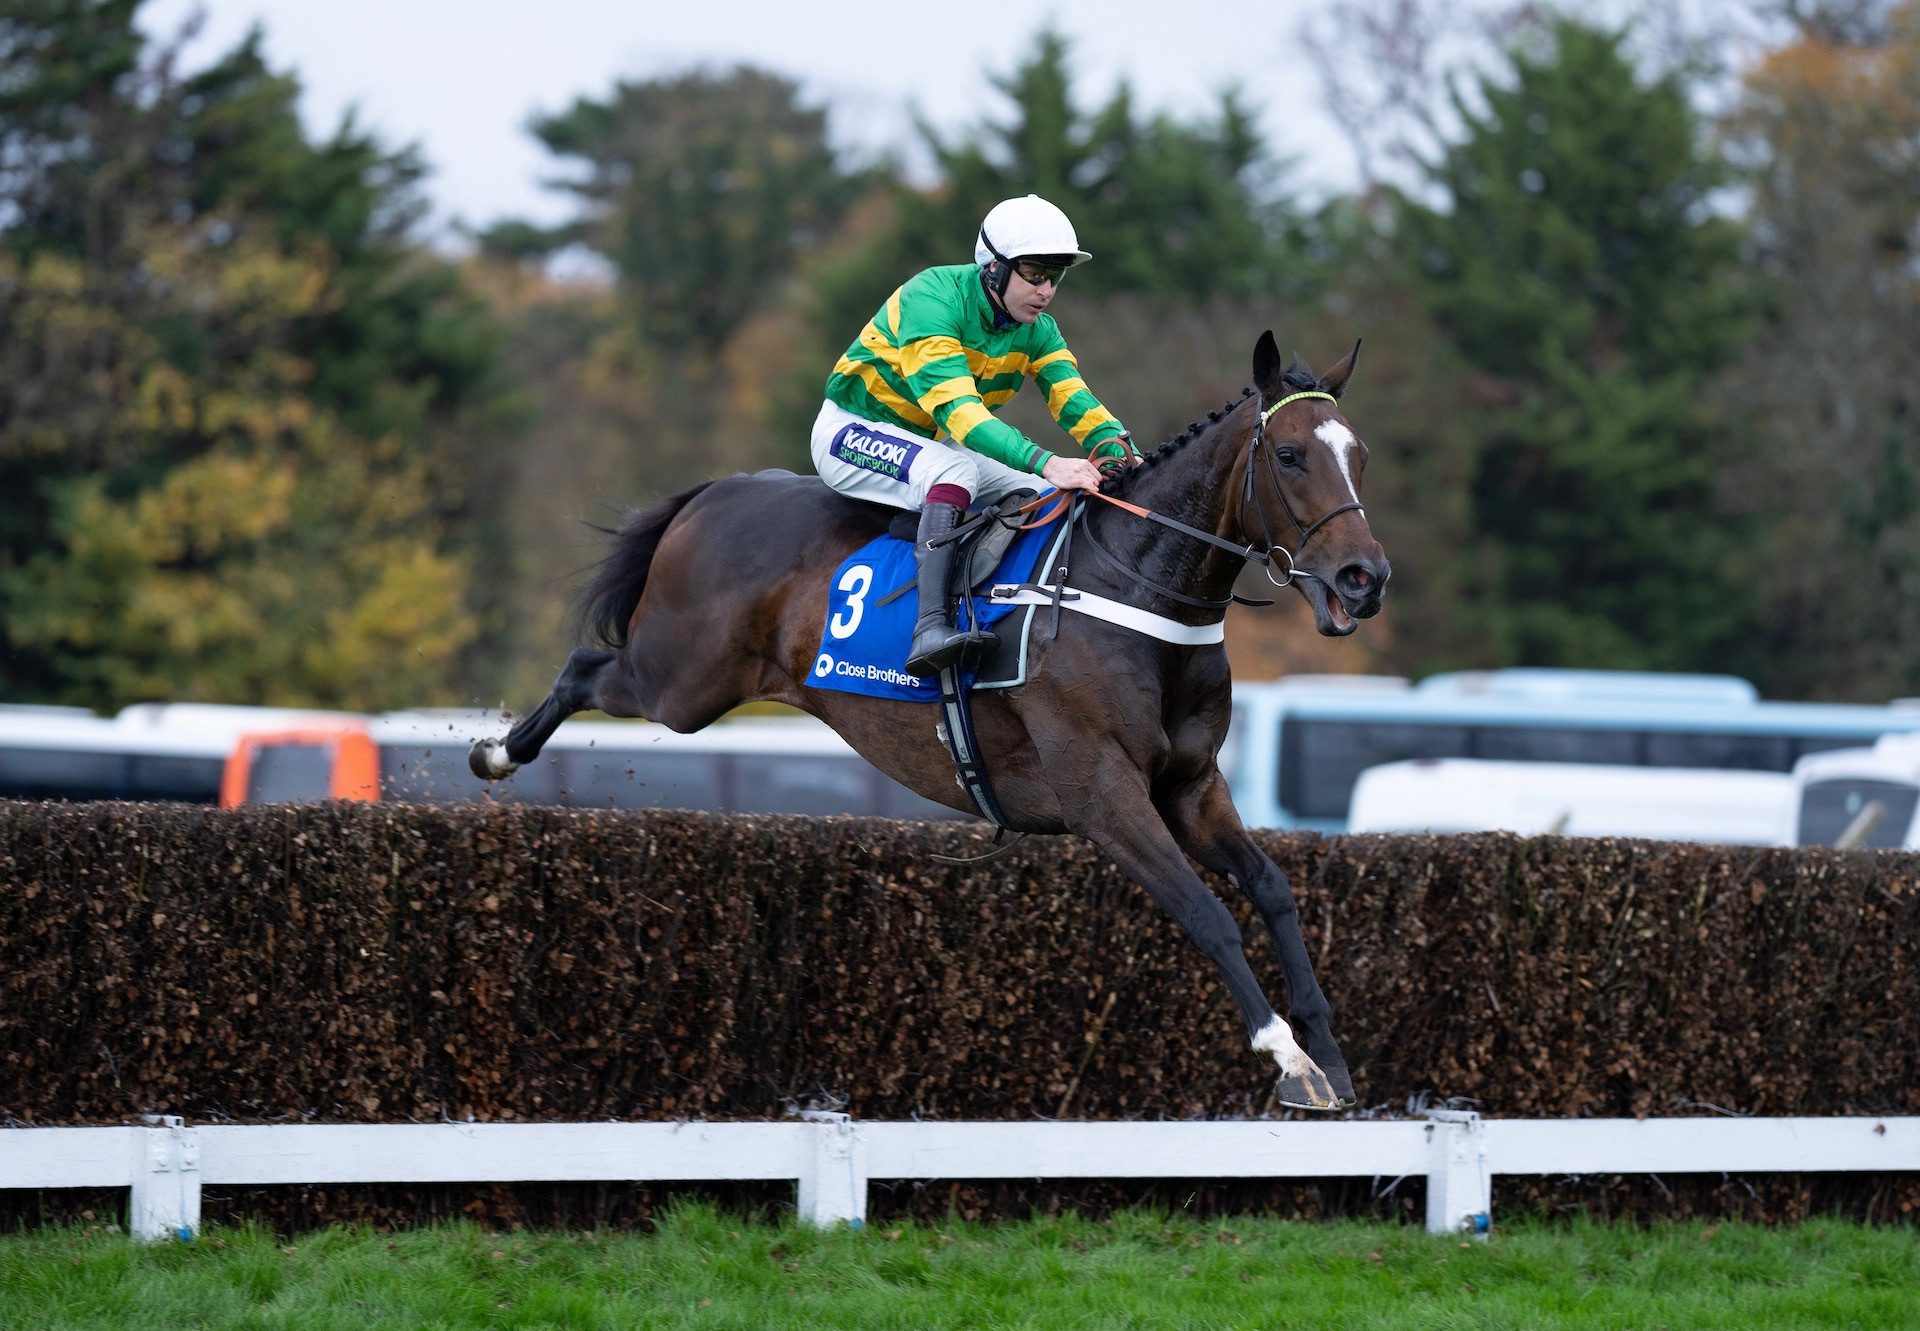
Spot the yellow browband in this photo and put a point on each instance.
(1267, 415)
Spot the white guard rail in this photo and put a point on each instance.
(832, 1157)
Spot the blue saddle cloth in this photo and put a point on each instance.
(863, 648)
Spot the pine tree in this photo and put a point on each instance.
(701, 190)
(1577, 261)
(1183, 210)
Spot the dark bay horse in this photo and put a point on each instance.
(718, 595)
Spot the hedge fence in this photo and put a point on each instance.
(382, 963)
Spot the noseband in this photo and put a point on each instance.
(1261, 554)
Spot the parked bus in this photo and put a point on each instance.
(783, 765)
(1298, 746)
(206, 754)
(1859, 798)
(147, 752)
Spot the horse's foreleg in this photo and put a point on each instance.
(1131, 831)
(1208, 827)
(587, 680)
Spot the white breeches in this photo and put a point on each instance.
(889, 465)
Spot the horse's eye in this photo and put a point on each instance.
(1287, 457)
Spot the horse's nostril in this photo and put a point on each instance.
(1362, 581)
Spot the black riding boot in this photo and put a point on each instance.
(937, 644)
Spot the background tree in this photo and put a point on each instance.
(700, 190)
(1184, 211)
(1575, 262)
(229, 461)
(1830, 130)
(702, 193)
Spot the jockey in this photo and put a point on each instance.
(908, 417)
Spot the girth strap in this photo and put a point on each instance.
(965, 748)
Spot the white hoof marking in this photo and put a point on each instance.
(1276, 1038)
(494, 754)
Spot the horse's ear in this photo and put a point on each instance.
(1266, 367)
(1335, 380)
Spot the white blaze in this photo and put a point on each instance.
(1340, 439)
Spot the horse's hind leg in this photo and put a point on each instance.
(1209, 828)
(591, 678)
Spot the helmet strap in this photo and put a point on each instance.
(997, 274)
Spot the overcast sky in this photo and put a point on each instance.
(461, 77)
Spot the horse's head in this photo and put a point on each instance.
(1302, 489)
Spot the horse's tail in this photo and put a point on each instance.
(606, 605)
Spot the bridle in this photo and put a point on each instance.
(1280, 493)
(1260, 554)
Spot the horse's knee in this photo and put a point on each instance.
(1272, 895)
(1312, 1010)
(1212, 928)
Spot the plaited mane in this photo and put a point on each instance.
(1297, 378)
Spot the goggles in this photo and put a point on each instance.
(1035, 272)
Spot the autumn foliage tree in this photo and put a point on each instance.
(227, 380)
(1826, 393)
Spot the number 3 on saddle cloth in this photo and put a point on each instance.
(863, 648)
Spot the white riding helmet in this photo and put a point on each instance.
(1024, 228)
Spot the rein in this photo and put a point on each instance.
(1073, 505)
(1260, 554)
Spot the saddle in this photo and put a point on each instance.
(851, 660)
(981, 543)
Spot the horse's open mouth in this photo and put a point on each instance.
(1330, 617)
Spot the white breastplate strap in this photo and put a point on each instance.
(1116, 612)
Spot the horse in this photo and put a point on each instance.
(717, 596)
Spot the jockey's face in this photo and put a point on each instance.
(1025, 300)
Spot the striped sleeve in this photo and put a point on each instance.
(1069, 399)
(933, 363)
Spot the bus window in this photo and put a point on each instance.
(801, 783)
(1320, 760)
(153, 776)
(1556, 744)
(896, 801)
(29, 773)
(1743, 752)
(438, 774)
(56, 774)
(290, 773)
(1805, 744)
(591, 779)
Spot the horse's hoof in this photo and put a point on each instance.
(1342, 1082)
(1310, 1089)
(488, 760)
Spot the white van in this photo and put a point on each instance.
(1572, 799)
(1862, 798)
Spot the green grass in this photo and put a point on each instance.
(704, 1269)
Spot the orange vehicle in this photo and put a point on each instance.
(335, 760)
